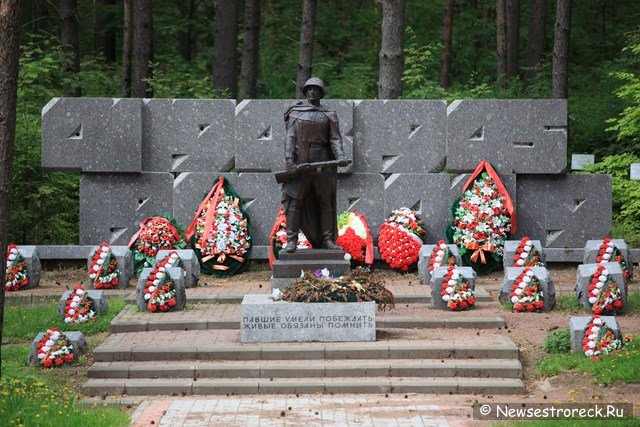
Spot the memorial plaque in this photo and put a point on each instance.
(265, 320)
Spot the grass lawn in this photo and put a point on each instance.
(23, 322)
(34, 396)
(568, 304)
(622, 366)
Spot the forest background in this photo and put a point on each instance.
(186, 39)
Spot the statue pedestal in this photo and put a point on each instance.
(290, 266)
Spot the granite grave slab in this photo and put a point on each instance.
(592, 248)
(125, 264)
(425, 256)
(578, 326)
(190, 264)
(511, 274)
(34, 267)
(511, 248)
(178, 276)
(265, 320)
(583, 280)
(76, 339)
(100, 303)
(437, 279)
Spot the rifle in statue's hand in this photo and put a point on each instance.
(285, 176)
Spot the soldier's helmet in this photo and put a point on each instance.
(313, 81)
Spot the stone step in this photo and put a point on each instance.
(196, 296)
(315, 254)
(293, 268)
(481, 368)
(180, 386)
(163, 322)
(223, 345)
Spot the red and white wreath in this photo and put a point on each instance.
(355, 238)
(608, 252)
(54, 349)
(527, 255)
(441, 256)
(599, 338)
(16, 277)
(159, 289)
(526, 294)
(605, 296)
(456, 291)
(79, 307)
(103, 271)
(400, 239)
(278, 237)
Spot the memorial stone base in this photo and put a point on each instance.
(290, 266)
(425, 256)
(578, 324)
(437, 278)
(546, 285)
(190, 264)
(125, 264)
(34, 269)
(265, 320)
(100, 304)
(177, 274)
(583, 280)
(76, 338)
(511, 248)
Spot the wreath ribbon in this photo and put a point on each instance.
(479, 251)
(508, 204)
(368, 254)
(276, 225)
(213, 195)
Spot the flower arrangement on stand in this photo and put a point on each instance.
(159, 289)
(16, 277)
(482, 220)
(79, 307)
(599, 339)
(608, 252)
(54, 349)
(355, 237)
(526, 294)
(219, 231)
(400, 239)
(605, 296)
(103, 270)
(527, 255)
(456, 291)
(155, 234)
(278, 237)
(441, 256)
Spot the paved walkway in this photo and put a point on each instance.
(279, 410)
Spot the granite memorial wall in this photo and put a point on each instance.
(143, 157)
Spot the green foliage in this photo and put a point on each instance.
(625, 194)
(558, 341)
(29, 397)
(621, 366)
(567, 304)
(23, 322)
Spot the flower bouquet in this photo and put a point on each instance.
(400, 239)
(527, 255)
(103, 270)
(441, 256)
(219, 231)
(155, 234)
(525, 292)
(355, 238)
(482, 220)
(608, 252)
(456, 291)
(54, 349)
(599, 339)
(16, 277)
(79, 307)
(278, 237)
(159, 289)
(605, 296)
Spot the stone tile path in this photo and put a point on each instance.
(290, 410)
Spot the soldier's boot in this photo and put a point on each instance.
(326, 222)
(293, 228)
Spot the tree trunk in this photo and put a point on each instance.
(104, 30)
(70, 47)
(143, 40)
(501, 41)
(225, 41)
(560, 77)
(535, 39)
(513, 37)
(445, 58)
(250, 46)
(127, 43)
(184, 11)
(305, 56)
(9, 57)
(391, 49)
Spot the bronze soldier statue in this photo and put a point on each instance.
(309, 199)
